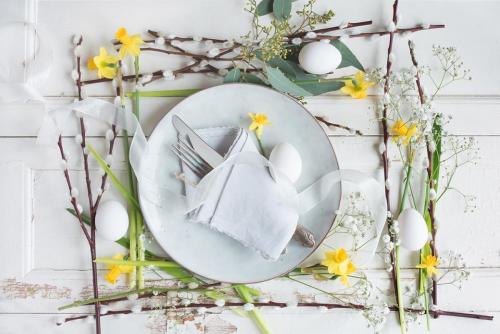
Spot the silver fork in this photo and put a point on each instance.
(200, 167)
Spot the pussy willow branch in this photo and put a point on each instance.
(385, 159)
(284, 305)
(324, 121)
(92, 208)
(431, 204)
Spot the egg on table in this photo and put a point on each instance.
(319, 58)
(285, 158)
(413, 230)
(111, 220)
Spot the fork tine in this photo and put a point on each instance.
(195, 156)
(184, 143)
(188, 163)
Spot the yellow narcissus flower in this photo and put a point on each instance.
(258, 123)
(339, 263)
(401, 131)
(357, 86)
(104, 63)
(429, 263)
(130, 44)
(116, 270)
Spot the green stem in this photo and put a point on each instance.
(247, 296)
(401, 308)
(165, 93)
(160, 264)
(261, 148)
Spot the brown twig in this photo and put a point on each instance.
(330, 29)
(329, 306)
(431, 203)
(385, 159)
(340, 126)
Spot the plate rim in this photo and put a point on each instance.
(322, 130)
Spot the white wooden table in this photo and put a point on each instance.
(44, 259)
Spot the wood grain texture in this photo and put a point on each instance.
(44, 260)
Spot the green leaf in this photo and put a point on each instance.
(252, 78)
(125, 193)
(348, 58)
(291, 69)
(318, 88)
(264, 7)
(233, 76)
(281, 83)
(282, 9)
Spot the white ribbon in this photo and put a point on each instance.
(159, 193)
(19, 75)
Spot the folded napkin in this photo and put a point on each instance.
(243, 201)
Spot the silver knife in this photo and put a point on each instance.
(213, 158)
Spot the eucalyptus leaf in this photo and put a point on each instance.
(291, 69)
(348, 58)
(281, 83)
(252, 78)
(317, 88)
(233, 76)
(282, 9)
(264, 7)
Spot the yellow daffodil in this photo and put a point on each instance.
(429, 263)
(129, 44)
(357, 86)
(116, 270)
(258, 123)
(339, 263)
(104, 63)
(401, 131)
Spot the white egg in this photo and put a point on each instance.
(111, 220)
(286, 159)
(413, 230)
(319, 58)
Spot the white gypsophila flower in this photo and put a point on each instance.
(195, 68)
(168, 75)
(74, 192)
(391, 27)
(322, 309)
(89, 319)
(248, 307)
(104, 309)
(175, 43)
(98, 191)
(389, 268)
(220, 302)
(185, 302)
(297, 41)
(114, 83)
(386, 238)
(213, 52)
(74, 74)
(160, 41)
(197, 38)
(311, 35)
(432, 146)
(436, 223)
(63, 164)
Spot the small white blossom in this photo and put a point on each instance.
(311, 35)
(388, 184)
(168, 75)
(89, 319)
(77, 51)
(248, 307)
(264, 299)
(104, 309)
(197, 38)
(343, 25)
(109, 159)
(74, 75)
(159, 41)
(432, 146)
(386, 238)
(146, 78)
(193, 285)
(213, 52)
(79, 208)
(74, 192)
(381, 148)
(425, 25)
(209, 42)
(171, 36)
(203, 63)
(110, 135)
(297, 41)
(292, 304)
(322, 309)
(388, 269)
(175, 43)
(76, 39)
(133, 296)
(79, 139)
(391, 27)
(432, 194)
(220, 302)
(227, 44)
(392, 57)
(325, 41)
(136, 308)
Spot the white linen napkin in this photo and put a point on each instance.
(244, 202)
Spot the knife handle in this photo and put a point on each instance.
(304, 236)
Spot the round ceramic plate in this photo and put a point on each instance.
(211, 254)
